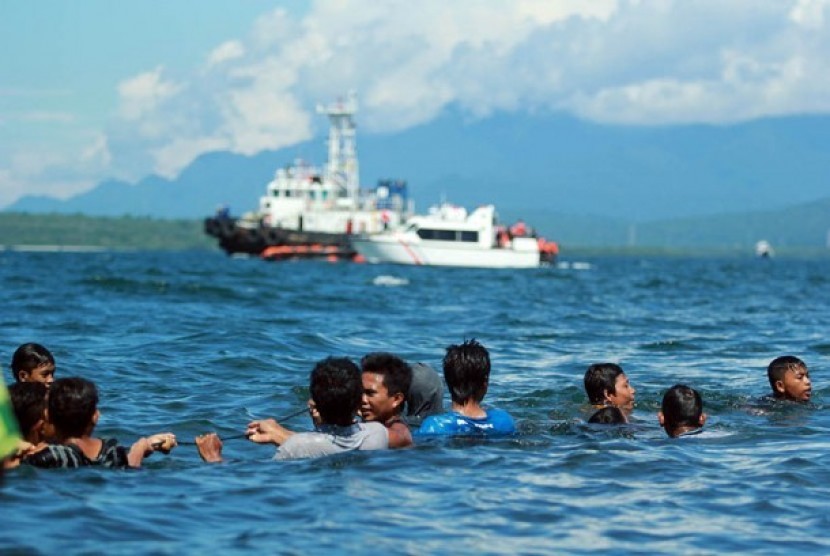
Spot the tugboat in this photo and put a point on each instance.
(311, 212)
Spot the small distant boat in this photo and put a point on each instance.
(763, 249)
(449, 236)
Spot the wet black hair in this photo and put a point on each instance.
(682, 407)
(337, 389)
(72, 404)
(29, 357)
(779, 366)
(599, 378)
(28, 401)
(608, 416)
(467, 371)
(397, 374)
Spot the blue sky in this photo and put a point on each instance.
(91, 89)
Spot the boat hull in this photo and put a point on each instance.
(396, 249)
(277, 243)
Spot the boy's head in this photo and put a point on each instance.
(608, 416)
(790, 379)
(72, 407)
(606, 384)
(336, 389)
(682, 410)
(29, 404)
(33, 363)
(386, 382)
(467, 371)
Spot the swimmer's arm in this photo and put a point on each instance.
(23, 449)
(143, 447)
(268, 431)
(210, 447)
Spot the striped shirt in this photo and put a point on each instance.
(70, 456)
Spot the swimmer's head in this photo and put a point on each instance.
(607, 384)
(72, 407)
(29, 405)
(33, 363)
(386, 382)
(467, 371)
(681, 411)
(789, 379)
(336, 390)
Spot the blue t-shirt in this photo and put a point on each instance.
(497, 421)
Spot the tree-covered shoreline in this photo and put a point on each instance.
(81, 231)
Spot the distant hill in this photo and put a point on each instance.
(805, 225)
(554, 164)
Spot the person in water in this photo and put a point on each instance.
(28, 400)
(607, 385)
(608, 415)
(386, 381)
(467, 373)
(681, 412)
(336, 395)
(425, 396)
(72, 410)
(789, 379)
(33, 363)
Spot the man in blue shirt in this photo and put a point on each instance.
(467, 374)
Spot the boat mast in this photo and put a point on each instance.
(342, 161)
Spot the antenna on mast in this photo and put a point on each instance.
(342, 165)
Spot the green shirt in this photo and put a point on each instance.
(9, 435)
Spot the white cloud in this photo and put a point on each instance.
(144, 94)
(810, 13)
(225, 52)
(54, 173)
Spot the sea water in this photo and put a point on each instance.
(198, 342)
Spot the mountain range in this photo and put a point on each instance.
(574, 176)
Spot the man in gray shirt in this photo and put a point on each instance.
(336, 392)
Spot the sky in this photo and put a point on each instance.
(96, 89)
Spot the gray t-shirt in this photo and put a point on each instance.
(326, 440)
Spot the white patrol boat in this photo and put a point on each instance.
(312, 212)
(449, 236)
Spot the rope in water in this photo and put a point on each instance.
(237, 436)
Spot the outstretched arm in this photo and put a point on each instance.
(267, 431)
(143, 447)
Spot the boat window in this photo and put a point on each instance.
(469, 236)
(438, 235)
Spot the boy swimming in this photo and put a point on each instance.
(682, 411)
(72, 410)
(336, 395)
(607, 385)
(33, 363)
(789, 379)
(467, 373)
(28, 400)
(386, 381)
